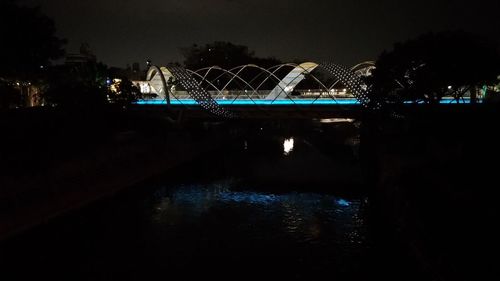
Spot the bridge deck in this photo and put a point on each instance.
(281, 102)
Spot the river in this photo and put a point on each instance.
(272, 205)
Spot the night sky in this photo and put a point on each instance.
(347, 32)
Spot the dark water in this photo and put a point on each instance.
(256, 210)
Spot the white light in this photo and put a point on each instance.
(288, 146)
(336, 120)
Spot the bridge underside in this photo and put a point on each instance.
(195, 111)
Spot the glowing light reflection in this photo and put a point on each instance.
(288, 146)
(336, 120)
(343, 203)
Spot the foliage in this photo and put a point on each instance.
(435, 65)
(75, 87)
(75, 94)
(29, 42)
(9, 96)
(227, 56)
(224, 54)
(126, 92)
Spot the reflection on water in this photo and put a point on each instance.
(336, 120)
(187, 231)
(288, 146)
(297, 227)
(230, 225)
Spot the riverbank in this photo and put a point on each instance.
(434, 177)
(53, 161)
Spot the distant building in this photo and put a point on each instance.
(135, 72)
(84, 57)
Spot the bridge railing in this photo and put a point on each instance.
(297, 97)
(262, 94)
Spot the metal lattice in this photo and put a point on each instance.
(196, 83)
(351, 80)
(200, 95)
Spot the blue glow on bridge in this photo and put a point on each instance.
(256, 102)
(248, 102)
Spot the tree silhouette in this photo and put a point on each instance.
(126, 92)
(9, 96)
(227, 56)
(69, 88)
(435, 65)
(29, 42)
(224, 54)
(82, 82)
(28, 46)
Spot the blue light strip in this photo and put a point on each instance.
(345, 101)
(256, 102)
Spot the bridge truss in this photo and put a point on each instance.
(213, 87)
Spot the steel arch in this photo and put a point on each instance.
(192, 82)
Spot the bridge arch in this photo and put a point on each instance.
(350, 80)
(162, 72)
(291, 80)
(232, 77)
(193, 81)
(200, 95)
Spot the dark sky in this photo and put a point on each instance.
(126, 31)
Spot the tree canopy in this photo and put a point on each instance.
(74, 88)
(84, 83)
(29, 42)
(126, 92)
(223, 54)
(434, 65)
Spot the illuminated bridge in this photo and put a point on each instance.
(219, 90)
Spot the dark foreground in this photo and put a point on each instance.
(198, 230)
(415, 201)
(230, 214)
